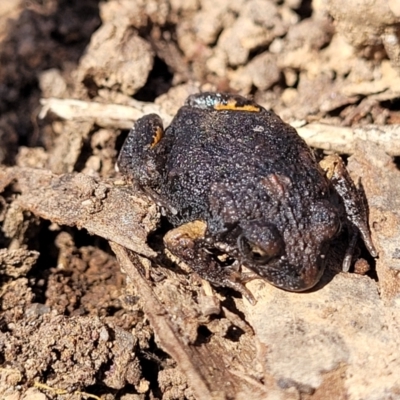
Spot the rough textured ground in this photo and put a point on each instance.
(84, 313)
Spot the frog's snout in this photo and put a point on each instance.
(293, 278)
(309, 277)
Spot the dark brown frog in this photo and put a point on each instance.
(243, 189)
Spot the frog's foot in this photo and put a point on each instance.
(166, 206)
(188, 244)
(353, 200)
(234, 279)
(348, 257)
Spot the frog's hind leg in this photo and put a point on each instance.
(140, 157)
(354, 204)
(188, 243)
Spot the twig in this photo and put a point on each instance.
(105, 115)
(327, 137)
(342, 139)
(159, 319)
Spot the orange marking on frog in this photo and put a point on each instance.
(231, 105)
(158, 134)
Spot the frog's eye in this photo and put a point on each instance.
(260, 241)
(260, 253)
(257, 254)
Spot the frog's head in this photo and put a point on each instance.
(290, 255)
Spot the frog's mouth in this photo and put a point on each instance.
(289, 277)
(309, 277)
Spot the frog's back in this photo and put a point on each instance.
(238, 149)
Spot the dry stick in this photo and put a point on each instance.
(337, 139)
(158, 317)
(340, 139)
(106, 115)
